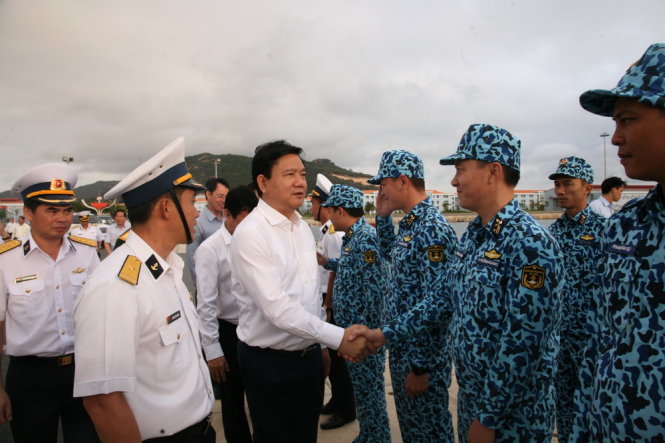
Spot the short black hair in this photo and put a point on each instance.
(30, 204)
(266, 155)
(120, 210)
(418, 183)
(239, 199)
(141, 214)
(511, 175)
(610, 183)
(212, 183)
(353, 212)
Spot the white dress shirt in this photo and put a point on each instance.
(276, 280)
(11, 227)
(38, 294)
(21, 231)
(330, 245)
(114, 231)
(143, 340)
(602, 206)
(213, 290)
(206, 224)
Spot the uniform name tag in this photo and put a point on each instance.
(25, 278)
(488, 262)
(460, 254)
(403, 244)
(622, 249)
(173, 317)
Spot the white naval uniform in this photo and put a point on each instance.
(142, 339)
(213, 290)
(330, 245)
(38, 295)
(93, 233)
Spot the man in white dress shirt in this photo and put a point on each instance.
(139, 363)
(41, 278)
(218, 312)
(10, 227)
(281, 321)
(611, 188)
(116, 229)
(22, 229)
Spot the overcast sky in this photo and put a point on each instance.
(109, 83)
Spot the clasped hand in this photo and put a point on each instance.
(359, 341)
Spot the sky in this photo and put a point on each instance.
(110, 83)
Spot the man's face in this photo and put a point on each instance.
(335, 216)
(391, 194)
(187, 199)
(50, 222)
(470, 180)
(21, 220)
(640, 136)
(571, 193)
(120, 218)
(217, 198)
(285, 189)
(85, 224)
(615, 193)
(316, 209)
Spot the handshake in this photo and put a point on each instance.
(359, 341)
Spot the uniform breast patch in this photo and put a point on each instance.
(130, 270)
(369, 256)
(436, 253)
(533, 277)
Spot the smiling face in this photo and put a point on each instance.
(640, 137)
(217, 198)
(285, 190)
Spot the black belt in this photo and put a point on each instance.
(63, 360)
(298, 352)
(196, 430)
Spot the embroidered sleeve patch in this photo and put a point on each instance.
(369, 256)
(436, 253)
(130, 270)
(533, 277)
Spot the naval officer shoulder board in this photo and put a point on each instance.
(130, 270)
(83, 240)
(8, 246)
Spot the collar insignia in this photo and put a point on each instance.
(492, 255)
(411, 218)
(26, 247)
(130, 270)
(347, 248)
(324, 230)
(497, 225)
(155, 268)
(582, 219)
(349, 233)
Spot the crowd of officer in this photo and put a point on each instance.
(561, 327)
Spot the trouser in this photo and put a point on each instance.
(342, 399)
(284, 392)
(201, 432)
(40, 390)
(232, 391)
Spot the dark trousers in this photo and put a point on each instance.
(40, 392)
(232, 391)
(201, 432)
(342, 400)
(284, 392)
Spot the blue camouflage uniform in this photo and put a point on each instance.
(507, 306)
(622, 393)
(359, 290)
(420, 254)
(579, 239)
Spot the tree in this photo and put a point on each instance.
(369, 208)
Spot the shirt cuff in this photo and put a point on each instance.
(331, 336)
(213, 351)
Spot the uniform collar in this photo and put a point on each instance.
(499, 221)
(275, 217)
(29, 246)
(226, 235)
(580, 218)
(415, 213)
(155, 264)
(652, 205)
(325, 227)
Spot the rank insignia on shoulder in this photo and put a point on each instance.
(349, 233)
(332, 229)
(124, 235)
(407, 238)
(410, 219)
(78, 270)
(324, 230)
(26, 278)
(347, 248)
(587, 237)
(130, 270)
(83, 240)
(155, 268)
(533, 277)
(369, 256)
(26, 247)
(436, 253)
(582, 219)
(497, 225)
(9, 245)
(492, 255)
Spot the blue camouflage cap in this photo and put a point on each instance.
(488, 143)
(344, 196)
(396, 163)
(644, 80)
(575, 167)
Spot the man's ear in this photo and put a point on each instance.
(262, 183)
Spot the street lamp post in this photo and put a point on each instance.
(605, 135)
(67, 159)
(216, 161)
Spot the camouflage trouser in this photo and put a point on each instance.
(424, 418)
(369, 390)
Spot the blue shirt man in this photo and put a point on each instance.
(420, 255)
(359, 290)
(578, 232)
(622, 392)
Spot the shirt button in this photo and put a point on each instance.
(59, 309)
(57, 286)
(62, 332)
(27, 291)
(178, 336)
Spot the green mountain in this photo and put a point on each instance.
(236, 169)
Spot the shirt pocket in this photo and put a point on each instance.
(620, 274)
(485, 297)
(171, 337)
(27, 299)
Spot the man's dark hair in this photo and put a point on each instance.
(353, 212)
(119, 210)
(240, 199)
(266, 155)
(417, 183)
(141, 214)
(511, 175)
(212, 183)
(30, 204)
(610, 183)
